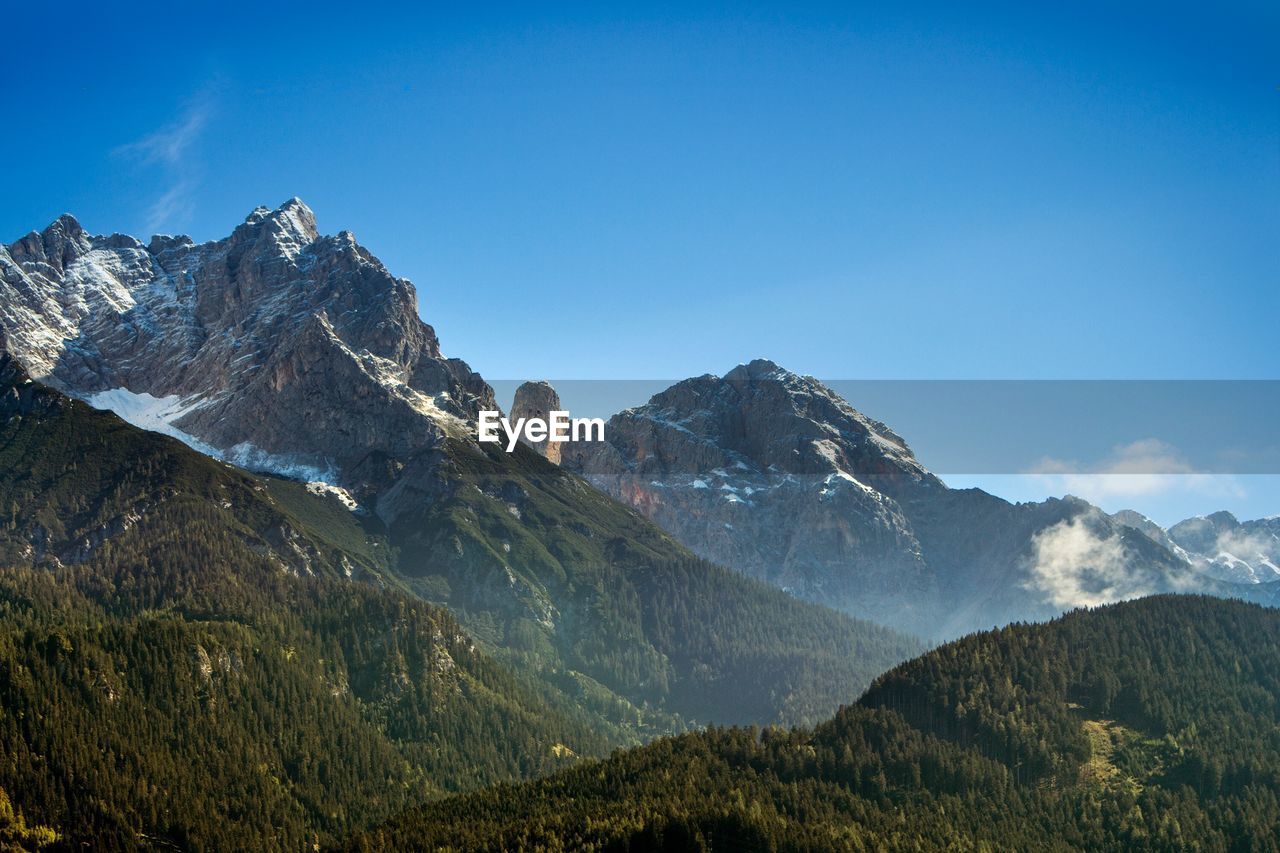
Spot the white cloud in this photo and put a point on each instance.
(1074, 566)
(169, 149)
(1138, 469)
(175, 205)
(169, 145)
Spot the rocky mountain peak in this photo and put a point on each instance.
(1199, 534)
(285, 231)
(759, 368)
(1224, 519)
(293, 220)
(775, 474)
(537, 399)
(57, 246)
(274, 347)
(66, 228)
(764, 416)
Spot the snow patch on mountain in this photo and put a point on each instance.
(251, 458)
(160, 414)
(321, 488)
(156, 414)
(828, 450)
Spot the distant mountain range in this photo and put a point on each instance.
(777, 476)
(286, 594)
(289, 353)
(284, 351)
(1219, 545)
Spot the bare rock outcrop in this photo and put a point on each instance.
(538, 400)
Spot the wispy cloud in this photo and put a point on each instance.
(169, 145)
(1138, 469)
(170, 149)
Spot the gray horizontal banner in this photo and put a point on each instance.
(1056, 427)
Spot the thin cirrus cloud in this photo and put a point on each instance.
(169, 149)
(1138, 469)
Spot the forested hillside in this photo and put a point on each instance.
(197, 656)
(1152, 724)
(183, 658)
(561, 580)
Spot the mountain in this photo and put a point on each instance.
(774, 474)
(537, 400)
(275, 347)
(194, 656)
(1147, 725)
(1221, 547)
(288, 352)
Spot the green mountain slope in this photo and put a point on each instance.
(559, 579)
(201, 657)
(1153, 724)
(182, 656)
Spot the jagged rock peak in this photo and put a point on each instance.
(58, 245)
(777, 475)
(537, 399)
(758, 368)
(774, 417)
(294, 216)
(292, 225)
(280, 344)
(65, 225)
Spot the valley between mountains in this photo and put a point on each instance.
(263, 588)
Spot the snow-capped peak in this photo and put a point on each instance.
(270, 344)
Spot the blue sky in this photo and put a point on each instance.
(1008, 191)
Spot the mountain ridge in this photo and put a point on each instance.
(772, 473)
(1219, 545)
(278, 349)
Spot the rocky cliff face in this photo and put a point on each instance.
(777, 476)
(276, 347)
(537, 400)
